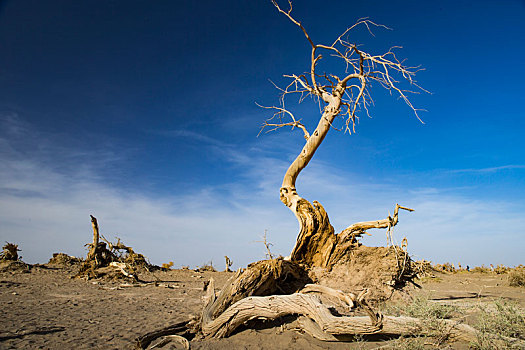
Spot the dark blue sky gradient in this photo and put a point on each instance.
(160, 87)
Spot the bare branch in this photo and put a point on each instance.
(294, 123)
(288, 14)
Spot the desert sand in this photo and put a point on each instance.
(44, 307)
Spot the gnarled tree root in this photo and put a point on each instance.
(313, 317)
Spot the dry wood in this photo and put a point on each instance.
(92, 254)
(122, 268)
(348, 299)
(229, 263)
(265, 277)
(359, 228)
(272, 307)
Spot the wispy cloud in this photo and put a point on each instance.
(45, 208)
(490, 169)
(188, 134)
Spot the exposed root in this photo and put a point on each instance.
(183, 330)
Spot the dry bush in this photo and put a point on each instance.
(500, 269)
(167, 266)
(423, 268)
(61, 259)
(446, 267)
(503, 319)
(10, 252)
(516, 276)
(207, 267)
(481, 269)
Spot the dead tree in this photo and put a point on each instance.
(229, 263)
(342, 97)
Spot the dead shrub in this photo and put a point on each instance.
(446, 267)
(167, 266)
(500, 269)
(61, 259)
(207, 267)
(10, 252)
(516, 277)
(481, 269)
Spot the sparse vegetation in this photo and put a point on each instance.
(422, 307)
(498, 323)
(403, 343)
(431, 315)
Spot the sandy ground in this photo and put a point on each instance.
(44, 308)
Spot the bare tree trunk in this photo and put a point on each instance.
(316, 239)
(92, 254)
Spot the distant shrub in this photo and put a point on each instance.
(207, 267)
(481, 269)
(500, 269)
(423, 268)
(446, 267)
(516, 276)
(168, 265)
(9, 252)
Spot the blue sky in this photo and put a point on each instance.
(143, 114)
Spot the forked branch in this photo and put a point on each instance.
(359, 228)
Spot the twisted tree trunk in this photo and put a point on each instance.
(316, 239)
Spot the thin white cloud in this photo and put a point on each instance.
(490, 169)
(45, 209)
(183, 133)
